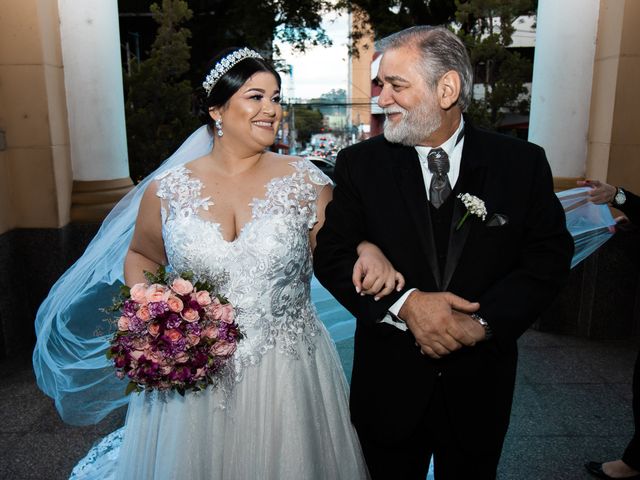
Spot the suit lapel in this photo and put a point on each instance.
(408, 175)
(470, 180)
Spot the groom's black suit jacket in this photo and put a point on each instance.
(513, 270)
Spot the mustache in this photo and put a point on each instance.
(390, 110)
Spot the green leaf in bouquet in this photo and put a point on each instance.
(159, 277)
(188, 275)
(223, 300)
(204, 285)
(131, 387)
(125, 291)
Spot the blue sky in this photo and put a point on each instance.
(320, 69)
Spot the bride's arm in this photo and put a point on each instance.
(324, 197)
(373, 273)
(146, 250)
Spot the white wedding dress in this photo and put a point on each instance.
(282, 413)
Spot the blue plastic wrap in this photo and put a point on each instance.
(590, 225)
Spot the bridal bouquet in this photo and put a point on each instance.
(172, 334)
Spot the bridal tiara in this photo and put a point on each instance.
(224, 65)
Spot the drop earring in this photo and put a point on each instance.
(218, 124)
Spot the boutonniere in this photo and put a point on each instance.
(473, 205)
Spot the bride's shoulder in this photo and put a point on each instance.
(292, 164)
(177, 181)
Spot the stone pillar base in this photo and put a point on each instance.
(91, 201)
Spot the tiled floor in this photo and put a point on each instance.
(572, 404)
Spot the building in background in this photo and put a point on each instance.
(359, 95)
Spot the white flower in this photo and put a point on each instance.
(474, 206)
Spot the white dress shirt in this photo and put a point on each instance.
(454, 151)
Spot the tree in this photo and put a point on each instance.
(308, 122)
(159, 99)
(479, 23)
(218, 24)
(487, 30)
(384, 17)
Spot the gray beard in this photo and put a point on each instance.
(414, 126)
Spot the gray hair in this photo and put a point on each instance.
(441, 51)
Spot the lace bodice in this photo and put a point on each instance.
(266, 269)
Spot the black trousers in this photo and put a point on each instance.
(432, 437)
(631, 455)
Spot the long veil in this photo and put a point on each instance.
(72, 335)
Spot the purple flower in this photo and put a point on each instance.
(157, 308)
(194, 328)
(173, 321)
(136, 325)
(129, 308)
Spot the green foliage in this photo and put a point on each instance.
(159, 99)
(487, 30)
(503, 71)
(218, 24)
(132, 387)
(160, 276)
(308, 121)
(384, 17)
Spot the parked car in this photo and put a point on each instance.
(324, 164)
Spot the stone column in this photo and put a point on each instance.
(95, 103)
(562, 81)
(614, 135)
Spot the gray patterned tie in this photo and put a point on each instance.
(440, 188)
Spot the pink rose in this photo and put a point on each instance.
(199, 373)
(213, 310)
(175, 304)
(182, 357)
(223, 348)
(140, 343)
(210, 332)
(139, 293)
(166, 370)
(193, 339)
(153, 329)
(182, 286)
(143, 313)
(190, 315)
(203, 298)
(136, 354)
(157, 293)
(123, 323)
(227, 313)
(173, 335)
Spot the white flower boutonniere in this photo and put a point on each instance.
(474, 206)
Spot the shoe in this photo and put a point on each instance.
(595, 469)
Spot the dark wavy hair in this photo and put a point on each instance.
(230, 82)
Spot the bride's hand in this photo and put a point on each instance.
(373, 274)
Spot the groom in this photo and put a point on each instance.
(434, 364)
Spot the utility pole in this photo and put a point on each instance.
(292, 114)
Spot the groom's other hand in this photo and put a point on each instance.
(430, 317)
(472, 328)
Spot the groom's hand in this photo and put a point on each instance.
(473, 329)
(430, 317)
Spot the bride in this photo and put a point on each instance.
(250, 214)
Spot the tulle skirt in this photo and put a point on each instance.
(288, 418)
